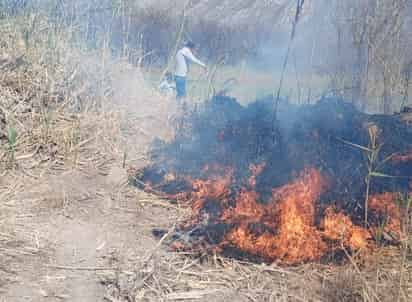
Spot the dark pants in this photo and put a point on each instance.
(180, 86)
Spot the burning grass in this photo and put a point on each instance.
(254, 204)
(291, 235)
(284, 230)
(225, 226)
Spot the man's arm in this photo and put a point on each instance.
(190, 56)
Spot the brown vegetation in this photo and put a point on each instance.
(72, 120)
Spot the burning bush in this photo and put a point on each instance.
(292, 191)
(288, 222)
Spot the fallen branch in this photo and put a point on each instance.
(86, 268)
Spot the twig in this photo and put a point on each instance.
(360, 274)
(178, 40)
(149, 189)
(79, 268)
(210, 89)
(111, 299)
(151, 253)
(194, 294)
(404, 248)
(299, 8)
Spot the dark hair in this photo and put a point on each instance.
(190, 44)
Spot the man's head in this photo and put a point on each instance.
(190, 44)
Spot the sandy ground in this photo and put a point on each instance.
(69, 228)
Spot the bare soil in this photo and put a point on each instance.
(71, 226)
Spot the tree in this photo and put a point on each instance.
(374, 33)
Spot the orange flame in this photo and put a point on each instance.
(217, 188)
(285, 229)
(339, 227)
(386, 206)
(401, 158)
(255, 170)
(298, 239)
(290, 218)
(246, 206)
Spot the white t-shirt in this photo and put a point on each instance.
(183, 57)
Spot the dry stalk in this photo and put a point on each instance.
(211, 78)
(369, 290)
(178, 40)
(373, 164)
(406, 228)
(372, 159)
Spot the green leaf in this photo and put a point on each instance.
(408, 203)
(12, 136)
(378, 174)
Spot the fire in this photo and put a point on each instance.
(246, 208)
(291, 234)
(256, 170)
(387, 208)
(285, 228)
(298, 238)
(216, 188)
(339, 227)
(254, 199)
(401, 158)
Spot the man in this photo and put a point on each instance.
(183, 58)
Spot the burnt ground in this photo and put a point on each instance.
(84, 235)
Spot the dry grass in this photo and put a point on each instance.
(69, 108)
(17, 244)
(73, 116)
(170, 277)
(173, 277)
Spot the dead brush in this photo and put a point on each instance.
(405, 267)
(343, 287)
(48, 97)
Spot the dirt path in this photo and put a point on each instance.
(96, 223)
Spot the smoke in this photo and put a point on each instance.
(334, 52)
(312, 51)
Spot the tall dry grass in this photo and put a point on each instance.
(62, 100)
(132, 29)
